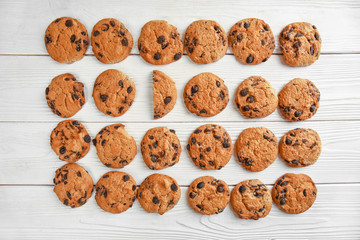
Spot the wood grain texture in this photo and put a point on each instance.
(337, 21)
(36, 213)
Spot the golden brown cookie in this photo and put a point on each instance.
(115, 147)
(73, 185)
(70, 140)
(66, 40)
(206, 95)
(252, 41)
(294, 193)
(205, 41)
(115, 192)
(251, 199)
(158, 193)
(160, 43)
(160, 148)
(113, 93)
(299, 100)
(111, 41)
(164, 94)
(256, 98)
(65, 95)
(210, 147)
(256, 148)
(300, 147)
(208, 195)
(300, 44)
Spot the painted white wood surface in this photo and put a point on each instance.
(30, 210)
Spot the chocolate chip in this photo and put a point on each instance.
(66, 202)
(125, 42)
(69, 23)
(190, 49)
(62, 150)
(106, 27)
(96, 33)
(134, 187)
(208, 149)
(239, 37)
(250, 59)
(298, 113)
(266, 28)
(57, 20)
(226, 145)
(72, 38)
(250, 99)
(103, 97)
(194, 89)
(312, 108)
(167, 100)
(155, 200)
(177, 56)
(100, 55)
(295, 162)
(200, 185)
(121, 84)
(112, 23)
(129, 89)
(311, 50)
(154, 158)
(297, 45)
(217, 83)
(245, 108)
(172, 130)
(157, 56)
(304, 192)
(220, 188)
(242, 189)
(244, 92)
(94, 142)
(288, 141)
(78, 174)
(126, 178)
(192, 195)
(246, 25)
(317, 36)
(299, 35)
(222, 96)
(174, 187)
(87, 138)
(203, 111)
(283, 184)
(68, 195)
(78, 48)
(282, 202)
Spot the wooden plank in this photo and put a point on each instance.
(27, 157)
(23, 33)
(36, 213)
(24, 79)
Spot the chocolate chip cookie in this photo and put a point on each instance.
(252, 41)
(160, 43)
(113, 93)
(73, 185)
(294, 193)
(158, 193)
(65, 95)
(300, 147)
(256, 98)
(66, 40)
(115, 147)
(299, 100)
(115, 192)
(208, 195)
(205, 41)
(210, 147)
(300, 44)
(251, 199)
(164, 94)
(111, 41)
(206, 95)
(160, 148)
(70, 140)
(256, 148)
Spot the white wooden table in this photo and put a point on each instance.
(30, 210)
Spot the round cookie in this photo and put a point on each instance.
(256, 148)
(160, 43)
(205, 41)
(66, 40)
(210, 147)
(300, 147)
(294, 193)
(65, 95)
(256, 98)
(115, 192)
(300, 43)
(299, 100)
(252, 41)
(158, 193)
(160, 148)
(251, 199)
(70, 140)
(208, 195)
(206, 95)
(73, 185)
(164, 94)
(113, 93)
(111, 41)
(115, 147)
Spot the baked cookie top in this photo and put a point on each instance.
(164, 94)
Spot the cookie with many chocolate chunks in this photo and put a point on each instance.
(73, 185)
(210, 147)
(115, 192)
(164, 94)
(205, 41)
(158, 193)
(300, 147)
(206, 95)
(294, 193)
(111, 41)
(299, 100)
(300, 43)
(113, 93)
(66, 40)
(160, 43)
(70, 140)
(252, 41)
(65, 95)
(115, 147)
(251, 199)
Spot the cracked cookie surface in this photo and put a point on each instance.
(164, 94)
